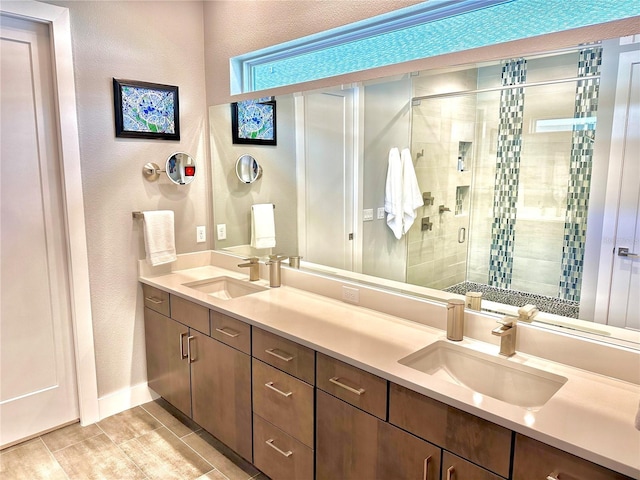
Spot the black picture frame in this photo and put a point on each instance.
(132, 97)
(239, 137)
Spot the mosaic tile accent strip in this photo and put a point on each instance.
(557, 306)
(580, 168)
(505, 197)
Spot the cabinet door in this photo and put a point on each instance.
(456, 468)
(167, 362)
(352, 444)
(536, 460)
(221, 391)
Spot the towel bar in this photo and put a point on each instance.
(137, 215)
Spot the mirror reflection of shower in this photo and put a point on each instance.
(513, 155)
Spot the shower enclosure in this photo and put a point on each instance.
(504, 156)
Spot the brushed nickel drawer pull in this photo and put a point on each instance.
(450, 472)
(284, 394)
(182, 354)
(226, 331)
(281, 355)
(553, 476)
(335, 381)
(192, 358)
(155, 300)
(288, 453)
(425, 472)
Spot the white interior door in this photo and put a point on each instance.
(328, 180)
(624, 301)
(38, 387)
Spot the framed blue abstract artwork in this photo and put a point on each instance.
(146, 110)
(254, 121)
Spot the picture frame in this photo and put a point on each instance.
(253, 122)
(146, 110)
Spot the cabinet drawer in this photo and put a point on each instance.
(156, 299)
(456, 468)
(357, 387)
(279, 455)
(471, 437)
(284, 354)
(190, 314)
(284, 401)
(534, 459)
(233, 332)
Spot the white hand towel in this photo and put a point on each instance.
(159, 240)
(393, 193)
(411, 196)
(263, 226)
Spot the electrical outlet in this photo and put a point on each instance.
(201, 234)
(221, 228)
(380, 213)
(350, 294)
(367, 214)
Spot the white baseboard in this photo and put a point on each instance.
(125, 399)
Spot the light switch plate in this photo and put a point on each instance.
(380, 213)
(367, 214)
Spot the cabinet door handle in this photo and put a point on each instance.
(229, 332)
(274, 352)
(450, 472)
(553, 476)
(182, 354)
(288, 453)
(335, 381)
(155, 300)
(192, 358)
(425, 472)
(284, 394)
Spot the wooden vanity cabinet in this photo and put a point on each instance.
(456, 468)
(283, 406)
(353, 444)
(221, 393)
(472, 438)
(168, 370)
(536, 460)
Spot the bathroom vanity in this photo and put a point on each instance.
(305, 386)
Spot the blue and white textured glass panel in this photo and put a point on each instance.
(505, 197)
(580, 169)
(147, 110)
(255, 119)
(503, 22)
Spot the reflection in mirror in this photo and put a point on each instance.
(181, 168)
(524, 153)
(248, 169)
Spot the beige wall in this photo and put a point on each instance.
(136, 41)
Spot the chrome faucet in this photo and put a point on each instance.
(274, 269)
(254, 268)
(507, 333)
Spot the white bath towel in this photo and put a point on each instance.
(159, 237)
(263, 226)
(393, 193)
(411, 196)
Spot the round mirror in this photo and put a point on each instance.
(181, 168)
(248, 169)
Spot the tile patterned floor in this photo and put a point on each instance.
(152, 441)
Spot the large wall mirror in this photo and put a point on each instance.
(523, 164)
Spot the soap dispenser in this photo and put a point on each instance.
(455, 319)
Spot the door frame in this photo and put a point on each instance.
(58, 20)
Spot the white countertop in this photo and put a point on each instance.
(591, 416)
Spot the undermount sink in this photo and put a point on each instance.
(225, 288)
(494, 377)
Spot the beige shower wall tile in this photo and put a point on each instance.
(30, 460)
